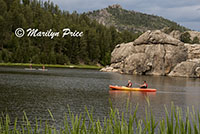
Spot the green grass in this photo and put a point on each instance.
(174, 122)
(52, 65)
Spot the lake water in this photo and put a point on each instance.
(36, 91)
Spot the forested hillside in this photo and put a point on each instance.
(132, 21)
(95, 46)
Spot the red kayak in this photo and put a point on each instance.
(123, 88)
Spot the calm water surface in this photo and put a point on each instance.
(36, 91)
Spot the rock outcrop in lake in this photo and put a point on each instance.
(190, 67)
(156, 53)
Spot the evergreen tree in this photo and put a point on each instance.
(185, 37)
(3, 8)
(195, 40)
(95, 46)
(83, 54)
(26, 2)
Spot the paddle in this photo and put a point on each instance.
(137, 83)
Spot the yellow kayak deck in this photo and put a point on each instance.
(131, 89)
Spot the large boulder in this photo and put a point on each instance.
(193, 51)
(175, 34)
(186, 69)
(109, 69)
(156, 37)
(197, 70)
(156, 53)
(153, 59)
(190, 67)
(121, 51)
(194, 34)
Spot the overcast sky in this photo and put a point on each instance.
(184, 12)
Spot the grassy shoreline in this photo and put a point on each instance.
(174, 122)
(52, 65)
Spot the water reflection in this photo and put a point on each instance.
(35, 92)
(119, 96)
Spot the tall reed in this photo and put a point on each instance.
(174, 122)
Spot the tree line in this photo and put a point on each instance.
(95, 46)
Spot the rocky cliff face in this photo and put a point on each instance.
(129, 20)
(190, 67)
(177, 34)
(156, 53)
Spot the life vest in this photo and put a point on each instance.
(130, 84)
(146, 84)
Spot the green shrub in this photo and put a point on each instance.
(185, 37)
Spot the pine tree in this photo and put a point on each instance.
(26, 2)
(3, 8)
(83, 54)
(185, 37)
(95, 46)
(195, 40)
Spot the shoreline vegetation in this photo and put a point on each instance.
(52, 65)
(54, 36)
(174, 121)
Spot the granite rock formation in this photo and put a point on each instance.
(156, 53)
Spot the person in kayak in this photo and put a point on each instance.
(129, 84)
(144, 85)
(30, 66)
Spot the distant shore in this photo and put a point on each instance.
(53, 65)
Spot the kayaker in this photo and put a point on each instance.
(144, 85)
(30, 66)
(129, 84)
